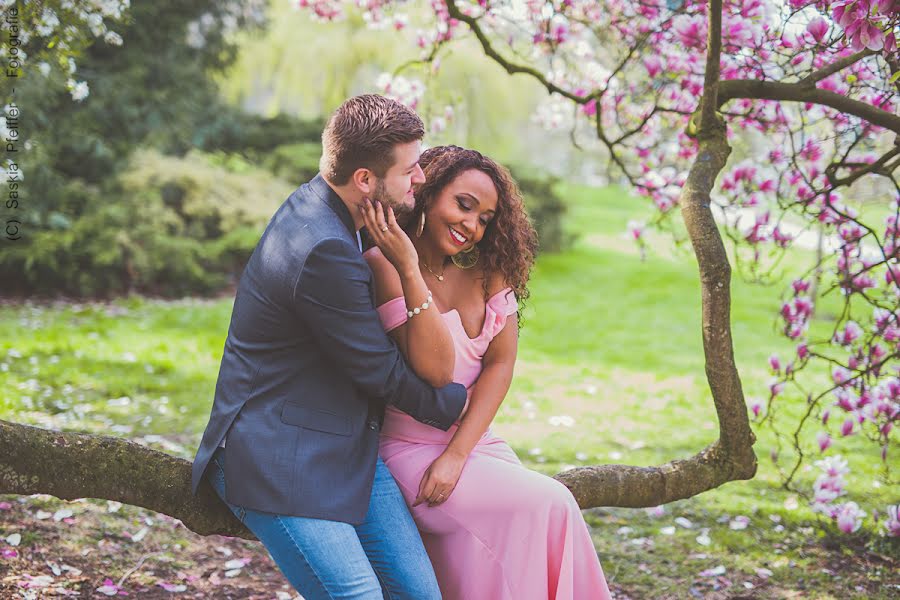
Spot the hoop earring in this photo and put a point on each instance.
(467, 259)
(421, 226)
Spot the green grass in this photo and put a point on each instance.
(610, 340)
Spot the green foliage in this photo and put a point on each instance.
(153, 90)
(545, 207)
(165, 226)
(328, 62)
(255, 136)
(294, 162)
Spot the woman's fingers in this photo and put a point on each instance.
(440, 496)
(431, 491)
(379, 217)
(368, 213)
(426, 489)
(392, 219)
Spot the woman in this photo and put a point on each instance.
(493, 529)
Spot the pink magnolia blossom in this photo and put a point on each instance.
(782, 239)
(654, 65)
(830, 484)
(847, 427)
(868, 35)
(756, 408)
(849, 517)
(851, 332)
(892, 523)
(846, 399)
(636, 229)
(824, 441)
(818, 28)
(691, 31)
(840, 375)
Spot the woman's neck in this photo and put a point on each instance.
(429, 255)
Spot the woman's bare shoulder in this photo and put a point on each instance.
(495, 283)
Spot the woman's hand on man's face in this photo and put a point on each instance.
(389, 236)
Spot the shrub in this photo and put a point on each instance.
(165, 226)
(546, 209)
(294, 162)
(255, 136)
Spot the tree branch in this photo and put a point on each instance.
(708, 104)
(879, 166)
(834, 67)
(794, 92)
(78, 465)
(510, 67)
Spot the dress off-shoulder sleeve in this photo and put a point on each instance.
(499, 307)
(393, 313)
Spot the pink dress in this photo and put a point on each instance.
(506, 532)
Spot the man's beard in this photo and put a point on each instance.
(401, 211)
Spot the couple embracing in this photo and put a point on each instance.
(350, 430)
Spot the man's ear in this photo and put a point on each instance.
(364, 180)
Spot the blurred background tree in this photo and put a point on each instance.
(228, 92)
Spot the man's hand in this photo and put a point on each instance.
(440, 478)
(390, 238)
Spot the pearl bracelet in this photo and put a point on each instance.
(418, 309)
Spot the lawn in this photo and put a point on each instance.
(610, 370)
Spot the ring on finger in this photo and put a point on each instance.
(385, 228)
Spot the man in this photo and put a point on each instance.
(292, 440)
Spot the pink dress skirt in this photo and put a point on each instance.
(506, 532)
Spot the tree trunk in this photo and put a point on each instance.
(730, 457)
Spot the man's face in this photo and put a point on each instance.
(395, 189)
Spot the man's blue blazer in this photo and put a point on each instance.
(307, 371)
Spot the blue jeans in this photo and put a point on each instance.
(329, 559)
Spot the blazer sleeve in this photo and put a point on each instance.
(333, 296)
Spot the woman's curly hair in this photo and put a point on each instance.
(509, 244)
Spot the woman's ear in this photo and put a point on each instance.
(364, 180)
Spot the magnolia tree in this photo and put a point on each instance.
(665, 87)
